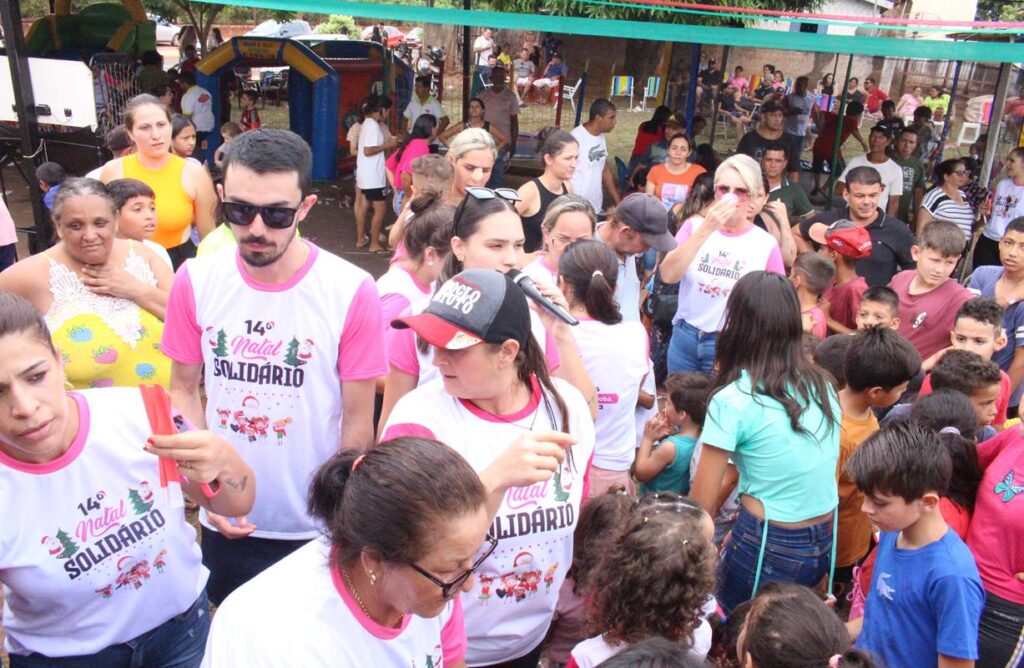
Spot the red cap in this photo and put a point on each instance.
(844, 237)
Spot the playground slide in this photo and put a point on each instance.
(118, 27)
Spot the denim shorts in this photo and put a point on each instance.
(177, 643)
(691, 349)
(801, 556)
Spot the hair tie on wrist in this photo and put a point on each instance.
(834, 661)
(950, 430)
(357, 462)
(597, 272)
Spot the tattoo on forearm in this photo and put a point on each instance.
(235, 485)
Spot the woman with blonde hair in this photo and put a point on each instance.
(472, 153)
(712, 255)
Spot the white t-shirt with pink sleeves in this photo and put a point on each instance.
(404, 352)
(298, 612)
(514, 595)
(276, 359)
(723, 259)
(616, 359)
(541, 272)
(398, 288)
(97, 554)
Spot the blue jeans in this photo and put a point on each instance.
(232, 563)
(800, 556)
(691, 349)
(177, 643)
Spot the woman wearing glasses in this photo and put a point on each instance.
(381, 586)
(523, 431)
(712, 255)
(184, 191)
(104, 298)
(486, 234)
(947, 200)
(568, 219)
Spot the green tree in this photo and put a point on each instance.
(1000, 10)
(138, 505)
(222, 348)
(200, 15)
(70, 546)
(338, 24)
(292, 354)
(560, 493)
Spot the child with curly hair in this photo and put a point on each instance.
(653, 580)
(600, 520)
(789, 626)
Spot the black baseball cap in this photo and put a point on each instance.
(475, 306)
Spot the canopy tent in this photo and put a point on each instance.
(988, 52)
(938, 49)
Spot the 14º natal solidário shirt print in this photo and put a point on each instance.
(275, 358)
(98, 554)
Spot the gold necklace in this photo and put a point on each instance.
(355, 594)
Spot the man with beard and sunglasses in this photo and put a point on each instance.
(289, 336)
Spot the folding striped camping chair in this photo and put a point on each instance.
(622, 86)
(652, 90)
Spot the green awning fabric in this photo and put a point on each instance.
(985, 52)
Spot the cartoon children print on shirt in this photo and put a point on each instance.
(523, 581)
(249, 421)
(433, 660)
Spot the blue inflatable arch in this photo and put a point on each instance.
(313, 92)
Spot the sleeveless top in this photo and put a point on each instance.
(174, 207)
(105, 341)
(531, 224)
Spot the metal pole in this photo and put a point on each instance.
(998, 103)
(467, 64)
(948, 118)
(28, 125)
(691, 94)
(834, 165)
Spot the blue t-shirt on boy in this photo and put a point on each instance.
(922, 603)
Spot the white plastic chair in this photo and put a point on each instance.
(570, 92)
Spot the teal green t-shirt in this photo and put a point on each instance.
(792, 474)
(676, 476)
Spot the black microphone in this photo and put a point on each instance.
(529, 288)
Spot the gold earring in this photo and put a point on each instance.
(373, 578)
